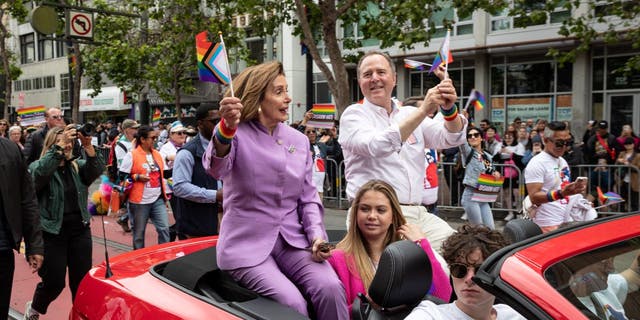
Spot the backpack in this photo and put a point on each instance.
(459, 167)
(112, 164)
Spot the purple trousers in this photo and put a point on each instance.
(286, 269)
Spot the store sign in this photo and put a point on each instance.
(529, 111)
(111, 98)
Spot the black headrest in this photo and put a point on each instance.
(403, 277)
(517, 230)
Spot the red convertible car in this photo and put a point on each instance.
(559, 275)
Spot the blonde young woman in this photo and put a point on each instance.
(62, 187)
(377, 221)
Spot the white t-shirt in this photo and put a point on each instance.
(120, 153)
(611, 299)
(427, 310)
(166, 150)
(152, 188)
(552, 173)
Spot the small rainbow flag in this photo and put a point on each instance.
(609, 197)
(31, 110)
(415, 65)
(443, 56)
(155, 120)
(323, 116)
(212, 60)
(477, 99)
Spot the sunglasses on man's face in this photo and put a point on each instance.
(56, 117)
(560, 143)
(460, 270)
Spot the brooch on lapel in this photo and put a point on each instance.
(292, 149)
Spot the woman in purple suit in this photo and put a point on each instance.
(272, 225)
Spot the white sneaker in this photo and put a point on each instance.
(28, 312)
(509, 217)
(464, 216)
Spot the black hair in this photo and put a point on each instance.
(203, 109)
(143, 132)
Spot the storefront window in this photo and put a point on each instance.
(530, 78)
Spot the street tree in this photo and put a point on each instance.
(319, 23)
(609, 22)
(10, 71)
(156, 51)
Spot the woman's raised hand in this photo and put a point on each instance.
(230, 109)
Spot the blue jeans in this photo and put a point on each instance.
(477, 212)
(157, 212)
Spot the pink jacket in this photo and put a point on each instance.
(440, 285)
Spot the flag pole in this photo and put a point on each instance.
(608, 204)
(224, 47)
(466, 106)
(446, 60)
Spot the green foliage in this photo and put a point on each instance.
(608, 22)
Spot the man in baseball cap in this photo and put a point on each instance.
(601, 145)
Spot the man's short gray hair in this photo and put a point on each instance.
(372, 53)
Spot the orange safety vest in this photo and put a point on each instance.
(139, 158)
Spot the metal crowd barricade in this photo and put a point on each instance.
(334, 195)
(610, 178)
(104, 152)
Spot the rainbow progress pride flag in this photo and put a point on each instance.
(609, 197)
(212, 60)
(415, 65)
(443, 55)
(477, 99)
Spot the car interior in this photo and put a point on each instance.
(197, 274)
(401, 282)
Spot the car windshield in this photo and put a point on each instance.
(602, 283)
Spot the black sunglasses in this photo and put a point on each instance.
(561, 143)
(473, 135)
(460, 270)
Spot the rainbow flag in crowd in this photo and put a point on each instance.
(609, 197)
(213, 65)
(415, 65)
(31, 116)
(155, 120)
(30, 110)
(477, 99)
(323, 116)
(443, 56)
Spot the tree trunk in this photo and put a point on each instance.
(176, 93)
(337, 77)
(6, 69)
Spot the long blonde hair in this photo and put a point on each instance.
(251, 84)
(354, 244)
(50, 139)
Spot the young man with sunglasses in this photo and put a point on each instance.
(465, 251)
(548, 178)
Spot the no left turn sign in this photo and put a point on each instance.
(80, 24)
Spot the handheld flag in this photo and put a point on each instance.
(415, 65)
(477, 99)
(443, 56)
(213, 65)
(609, 197)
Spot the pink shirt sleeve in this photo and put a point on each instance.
(440, 281)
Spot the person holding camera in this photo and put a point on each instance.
(477, 162)
(62, 188)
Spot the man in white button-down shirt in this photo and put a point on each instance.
(382, 140)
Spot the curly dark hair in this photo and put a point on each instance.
(469, 238)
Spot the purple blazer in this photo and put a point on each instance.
(268, 191)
